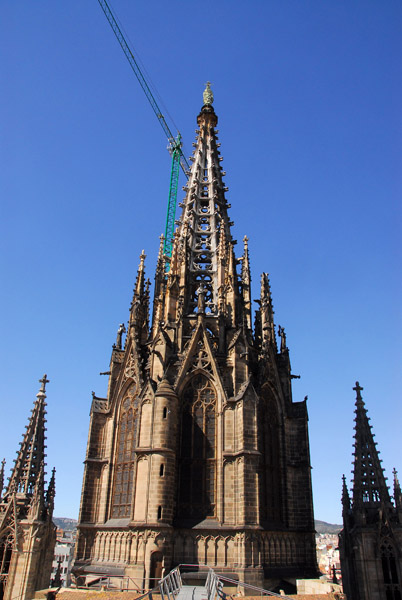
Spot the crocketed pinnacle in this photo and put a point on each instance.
(369, 483)
(397, 491)
(345, 496)
(31, 456)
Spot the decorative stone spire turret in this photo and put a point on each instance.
(32, 451)
(27, 532)
(369, 484)
(370, 543)
(345, 497)
(140, 304)
(397, 494)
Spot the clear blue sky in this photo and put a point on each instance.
(308, 96)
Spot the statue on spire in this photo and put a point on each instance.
(208, 96)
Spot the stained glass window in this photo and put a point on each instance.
(197, 482)
(124, 470)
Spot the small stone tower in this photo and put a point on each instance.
(198, 454)
(27, 532)
(370, 542)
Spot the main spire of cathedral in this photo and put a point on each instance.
(203, 242)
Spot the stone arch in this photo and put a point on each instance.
(197, 452)
(389, 565)
(270, 442)
(124, 454)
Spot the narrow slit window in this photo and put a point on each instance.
(161, 470)
(164, 412)
(159, 512)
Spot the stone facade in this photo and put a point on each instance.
(27, 532)
(199, 455)
(370, 543)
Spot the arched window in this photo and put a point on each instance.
(390, 571)
(124, 463)
(197, 481)
(6, 549)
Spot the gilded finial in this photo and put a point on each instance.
(208, 96)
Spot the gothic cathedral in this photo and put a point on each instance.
(199, 455)
(370, 542)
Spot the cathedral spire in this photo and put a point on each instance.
(204, 215)
(369, 483)
(32, 451)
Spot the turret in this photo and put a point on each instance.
(31, 455)
(370, 490)
(397, 495)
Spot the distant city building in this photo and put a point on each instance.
(371, 540)
(328, 555)
(27, 532)
(63, 559)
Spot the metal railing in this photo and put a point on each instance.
(214, 587)
(170, 585)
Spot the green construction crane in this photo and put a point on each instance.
(174, 143)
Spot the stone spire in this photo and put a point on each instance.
(345, 497)
(140, 305)
(369, 483)
(203, 217)
(31, 455)
(397, 494)
(267, 314)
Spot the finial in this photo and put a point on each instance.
(358, 389)
(43, 381)
(208, 96)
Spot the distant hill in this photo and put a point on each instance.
(65, 523)
(320, 526)
(323, 527)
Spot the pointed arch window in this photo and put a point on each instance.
(197, 481)
(124, 462)
(390, 571)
